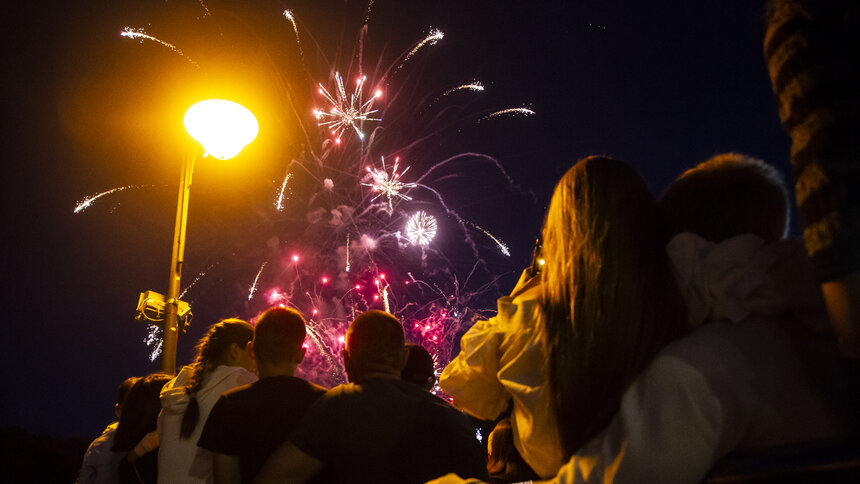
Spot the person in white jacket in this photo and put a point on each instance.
(569, 340)
(222, 362)
(739, 381)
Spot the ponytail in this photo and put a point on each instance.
(211, 350)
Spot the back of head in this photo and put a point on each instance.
(609, 299)
(124, 388)
(278, 335)
(419, 368)
(140, 411)
(728, 195)
(212, 350)
(374, 342)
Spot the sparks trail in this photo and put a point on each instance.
(475, 86)
(434, 36)
(88, 201)
(502, 247)
(279, 200)
(256, 280)
(140, 35)
(512, 111)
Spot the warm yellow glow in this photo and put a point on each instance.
(222, 127)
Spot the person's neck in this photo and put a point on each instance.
(267, 371)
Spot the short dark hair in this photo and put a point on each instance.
(419, 368)
(278, 334)
(728, 195)
(375, 338)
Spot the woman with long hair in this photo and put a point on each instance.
(221, 362)
(571, 338)
(136, 434)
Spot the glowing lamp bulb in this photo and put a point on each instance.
(222, 127)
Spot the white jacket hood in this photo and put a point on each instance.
(742, 277)
(174, 399)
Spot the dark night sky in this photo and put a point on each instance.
(662, 85)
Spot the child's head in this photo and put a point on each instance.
(728, 195)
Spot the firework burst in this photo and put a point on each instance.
(421, 228)
(346, 112)
(387, 184)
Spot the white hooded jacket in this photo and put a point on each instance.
(180, 460)
(735, 382)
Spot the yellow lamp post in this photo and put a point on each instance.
(222, 128)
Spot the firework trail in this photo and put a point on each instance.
(502, 247)
(256, 280)
(434, 36)
(141, 35)
(279, 200)
(475, 86)
(154, 341)
(523, 111)
(88, 201)
(288, 14)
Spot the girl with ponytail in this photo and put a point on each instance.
(221, 363)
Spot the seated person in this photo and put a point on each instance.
(377, 428)
(249, 422)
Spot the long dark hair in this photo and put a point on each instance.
(211, 351)
(140, 409)
(609, 299)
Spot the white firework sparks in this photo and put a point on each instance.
(420, 228)
(502, 247)
(279, 200)
(523, 111)
(87, 202)
(288, 14)
(389, 185)
(434, 36)
(346, 111)
(141, 35)
(256, 280)
(475, 86)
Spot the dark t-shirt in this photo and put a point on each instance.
(252, 421)
(389, 431)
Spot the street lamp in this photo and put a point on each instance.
(222, 128)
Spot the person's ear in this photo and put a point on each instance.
(249, 348)
(345, 355)
(301, 354)
(235, 350)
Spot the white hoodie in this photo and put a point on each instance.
(735, 383)
(180, 460)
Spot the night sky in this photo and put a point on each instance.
(662, 85)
